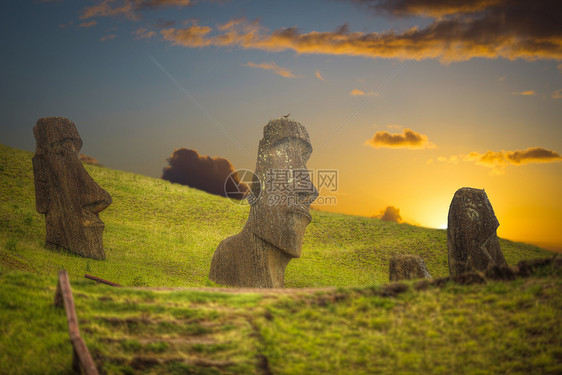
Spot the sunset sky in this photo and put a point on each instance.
(407, 100)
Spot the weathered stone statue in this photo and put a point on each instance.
(65, 192)
(281, 196)
(471, 233)
(407, 267)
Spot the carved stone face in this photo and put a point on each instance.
(65, 192)
(471, 233)
(281, 213)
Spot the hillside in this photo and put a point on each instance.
(163, 234)
(498, 327)
(160, 236)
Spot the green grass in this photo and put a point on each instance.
(500, 327)
(163, 234)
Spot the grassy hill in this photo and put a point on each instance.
(163, 234)
(502, 327)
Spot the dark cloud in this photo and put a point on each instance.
(390, 213)
(408, 139)
(163, 3)
(206, 173)
(88, 159)
(434, 8)
(498, 160)
(467, 29)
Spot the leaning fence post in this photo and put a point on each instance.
(81, 358)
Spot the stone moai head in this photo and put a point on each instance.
(65, 192)
(280, 213)
(472, 241)
(282, 192)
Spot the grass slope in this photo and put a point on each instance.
(499, 327)
(163, 234)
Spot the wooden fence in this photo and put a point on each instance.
(81, 359)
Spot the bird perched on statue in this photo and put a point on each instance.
(287, 115)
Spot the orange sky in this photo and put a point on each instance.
(525, 197)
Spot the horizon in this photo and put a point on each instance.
(408, 102)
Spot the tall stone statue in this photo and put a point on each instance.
(472, 241)
(65, 192)
(281, 196)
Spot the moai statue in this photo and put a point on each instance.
(407, 267)
(472, 241)
(282, 192)
(65, 192)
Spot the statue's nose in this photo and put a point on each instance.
(308, 196)
(313, 194)
(95, 199)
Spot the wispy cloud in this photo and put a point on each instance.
(191, 36)
(489, 29)
(88, 24)
(144, 33)
(127, 8)
(319, 76)
(112, 8)
(357, 92)
(273, 67)
(499, 160)
(407, 139)
(107, 37)
(525, 93)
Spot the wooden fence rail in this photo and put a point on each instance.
(100, 280)
(81, 358)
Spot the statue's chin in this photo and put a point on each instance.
(293, 228)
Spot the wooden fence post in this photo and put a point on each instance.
(81, 358)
